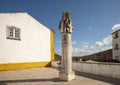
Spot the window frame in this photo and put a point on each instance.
(12, 31)
(116, 35)
(116, 47)
(117, 57)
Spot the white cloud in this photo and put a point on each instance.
(85, 46)
(85, 43)
(88, 49)
(80, 52)
(76, 51)
(90, 28)
(98, 44)
(58, 51)
(74, 42)
(107, 40)
(92, 47)
(116, 27)
(106, 48)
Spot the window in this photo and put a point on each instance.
(116, 47)
(117, 57)
(116, 35)
(13, 33)
(17, 33)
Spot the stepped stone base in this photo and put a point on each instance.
(66, 76)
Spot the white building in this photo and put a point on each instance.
(24, 42)
(116, 45)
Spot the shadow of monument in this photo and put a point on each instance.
(4, 82)
(110, 80)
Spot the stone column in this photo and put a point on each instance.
(66, 28)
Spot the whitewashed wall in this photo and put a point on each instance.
(35, 39)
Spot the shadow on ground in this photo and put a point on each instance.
(110, 80)
(4, 82)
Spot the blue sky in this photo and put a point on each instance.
(93, 20)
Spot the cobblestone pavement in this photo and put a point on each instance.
(50, 76)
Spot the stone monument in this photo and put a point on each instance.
(66, 28)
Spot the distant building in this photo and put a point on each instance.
(104, 56)
(116, 45)
(24, 42)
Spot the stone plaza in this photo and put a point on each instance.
(49, 76)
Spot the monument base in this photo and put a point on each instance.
(66, 76)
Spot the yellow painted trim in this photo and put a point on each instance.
(52, 44)
(15, 66)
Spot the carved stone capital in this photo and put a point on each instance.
(66, 25)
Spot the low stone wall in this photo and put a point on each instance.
(103, 69)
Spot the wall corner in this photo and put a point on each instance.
(52, 44)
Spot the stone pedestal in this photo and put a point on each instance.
(66, 76)
(66, 29)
